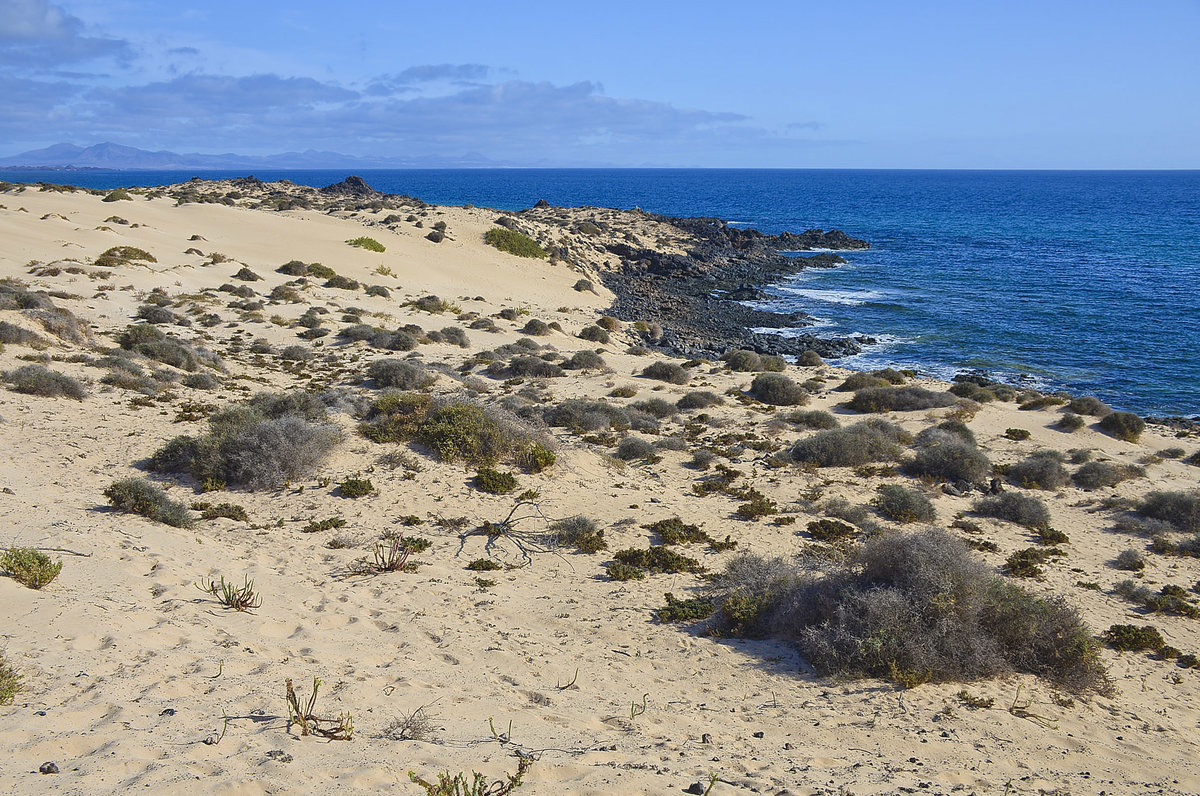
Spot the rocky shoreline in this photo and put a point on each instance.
(698, 297)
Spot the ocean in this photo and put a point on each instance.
(1082, 281)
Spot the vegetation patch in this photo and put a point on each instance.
(689, 610)
(862, 443)
(898, 399)
(903, 505)
(778, 390)
(658, 559)
(513, 242)
(1022, 509)
(40, 380)
(29, 567)
(274, 438)
(370, 244)
(1123, 425)
(910, 608)
(494, 482)
(139, 496)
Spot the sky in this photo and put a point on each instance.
(1054, 84)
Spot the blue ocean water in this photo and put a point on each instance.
(1084, 281)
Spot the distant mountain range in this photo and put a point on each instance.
(117, 157)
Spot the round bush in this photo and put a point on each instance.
(903, 505)
(399, 374)
(1088, 405)
(698, 399)
(1020, 509)
(951, 461)
(1181, 509)
(632, 448)
(778, 390)
(1095, 475)
(870, 441)
(1123, 425)
(585, 360)
(594, 334)
(1042, 470)
(671, 372)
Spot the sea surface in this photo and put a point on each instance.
(1082, 281)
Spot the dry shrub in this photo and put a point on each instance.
(1180, 509)
(869, 441)
(671, 372)
(40, 380)
(778, 390)
(911, 608)
(1021, 509)
(950, 461)
(399, 374)
(898, 399)
(1095, 475)
(261, 445)
(1041, 470)
(903, 505)
(1123, 425)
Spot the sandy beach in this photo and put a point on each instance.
(135, 677)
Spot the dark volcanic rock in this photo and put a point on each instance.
(351, 186)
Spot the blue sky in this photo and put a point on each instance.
(799, 84)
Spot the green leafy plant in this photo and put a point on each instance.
(139, 496)
(29, 567)
(391, 557)
(476, 785)
(689, 610)
(370, 244)
(10, 681)
(513, 242)
(356, 487)
(239, 598)
(494, 482)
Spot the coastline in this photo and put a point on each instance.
(134, 678)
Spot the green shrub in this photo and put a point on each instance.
(1123, 425)
(1042, 402)
(903, 505)
(618, 570)
(1020, 509)
(40, 380)
(1130, 560)
(861, 381)
(355, 487)
(671, 372)
(29, 567)
(1041, 470)
(139, 496)
(370, 244)
(536, 328)
(456, 431)
(494, 482)
(117, 195)
(152, 343)
(584, 285)
(1181, 509)
(231, 511)
(483, 565)
(273, 439)
(1131, 638)
(868, 441)
(743, 361)
(343, 283)
(1070, 422)
(399, 374)
(293, 268)
(691, 610)
(118, 256)
(579, 531)
(909, 607)
(658, 559)
(1018, 434)
(513, 242)
(826, 530)
(10, 682)
(778, 390)
(581, 415)
(897, 399)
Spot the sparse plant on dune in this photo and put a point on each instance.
(335, 729)
(29, 567)
(239, 598)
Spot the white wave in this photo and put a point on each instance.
(795, 331)
(850, 298)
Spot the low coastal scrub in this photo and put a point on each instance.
(671, 372)
(10, 681)
(139, 496)
(744, 361)
(398, 374)
(1180, 509)
(910, 608)
(816, 418)
(152, 343)
(1041, 470)
(580, 532)
(1123, 425)
(902, 504)
(862, 443)
(778, 390)
(1095, 475)
(274, 438)
(29, 567)
(950, 459)
(40, 380)
(698, 399)
(1020, 509)
(898, 399)
(513, 242)
(457, 431)
(494, 482)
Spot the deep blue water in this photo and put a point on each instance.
(1085, 281)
